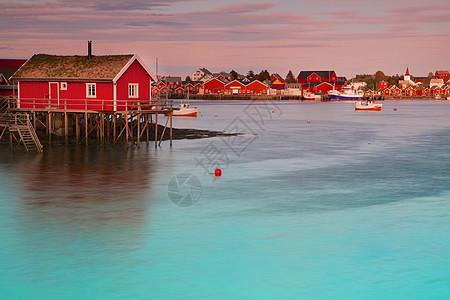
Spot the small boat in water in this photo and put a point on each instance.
(368, 105)
(311, 96)
(184, 110)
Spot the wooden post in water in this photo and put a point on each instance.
(108, 128)
(126, 128)
(97, 126)
(156, 130)
(138, 129)
(86, 127)
(77, 128)
(170, 115)
(147, 126)
(66, 128)
(114, 128)
(49, 128)
(102, 129)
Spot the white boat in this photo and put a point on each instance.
(184, 110)
(368, 105)
(311, 96)
(346, 93)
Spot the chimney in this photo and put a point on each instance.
(89, 49)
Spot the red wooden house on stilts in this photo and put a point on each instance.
(97, 83)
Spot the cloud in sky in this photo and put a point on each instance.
(348, 36)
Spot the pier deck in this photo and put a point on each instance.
(121, 121)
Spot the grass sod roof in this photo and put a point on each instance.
(44, 66)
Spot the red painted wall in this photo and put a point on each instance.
(257, 87)
(321, 88)
(383, 85)
(214, 86)
(35, 94)
(316, 78)
(135, 74)
(7, 92)
(232, 86)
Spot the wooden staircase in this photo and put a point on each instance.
(20, 127)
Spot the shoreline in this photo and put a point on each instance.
(177, 134)
(293, 98)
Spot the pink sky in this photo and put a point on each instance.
(348, 36)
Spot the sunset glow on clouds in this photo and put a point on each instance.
(348, 36)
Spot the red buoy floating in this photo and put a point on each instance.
(216, 116)
(308, 121)
(218, 172)
(395, 109)
(273, 111)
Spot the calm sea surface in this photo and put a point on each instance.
(351, 205)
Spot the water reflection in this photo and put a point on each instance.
(79, 184)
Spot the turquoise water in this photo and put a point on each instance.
(352, 205)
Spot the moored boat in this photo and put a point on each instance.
(185, 110)
(368, 105)
(346, 93)
(311, 96)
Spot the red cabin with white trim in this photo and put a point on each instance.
(235, 87)
(82, 83)
(189, 88)
(256, 87)
(317, 76)
(160, 85)
(214, 86)
(179, 91)
(198, 87)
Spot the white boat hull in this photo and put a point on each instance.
(368, 105)
(187, 112)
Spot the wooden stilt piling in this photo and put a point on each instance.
(66, 128)
(86, 127)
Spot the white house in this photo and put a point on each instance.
(199, 74)
(436, 82)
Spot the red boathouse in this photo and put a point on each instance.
(96, 83)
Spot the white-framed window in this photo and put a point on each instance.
(63, 86)
(91, 90)
(133, 90)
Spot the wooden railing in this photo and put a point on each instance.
(100, 105)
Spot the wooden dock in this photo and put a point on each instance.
(78, 123)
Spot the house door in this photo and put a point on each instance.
(54, 94)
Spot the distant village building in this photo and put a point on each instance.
(358, 85)
(256, 87)
(314, 81)
(7, 68)
(442, 75)
(198, 74)
(173, 82)
(406, 80)
(316, 76)
(198, 87)
(235, 87)
(383, 85)
(189, 88)
(419, 80)
(317, 87)
(436, 82)
(160, 85)
(214, 86)
(293, 89)
(278, 81)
